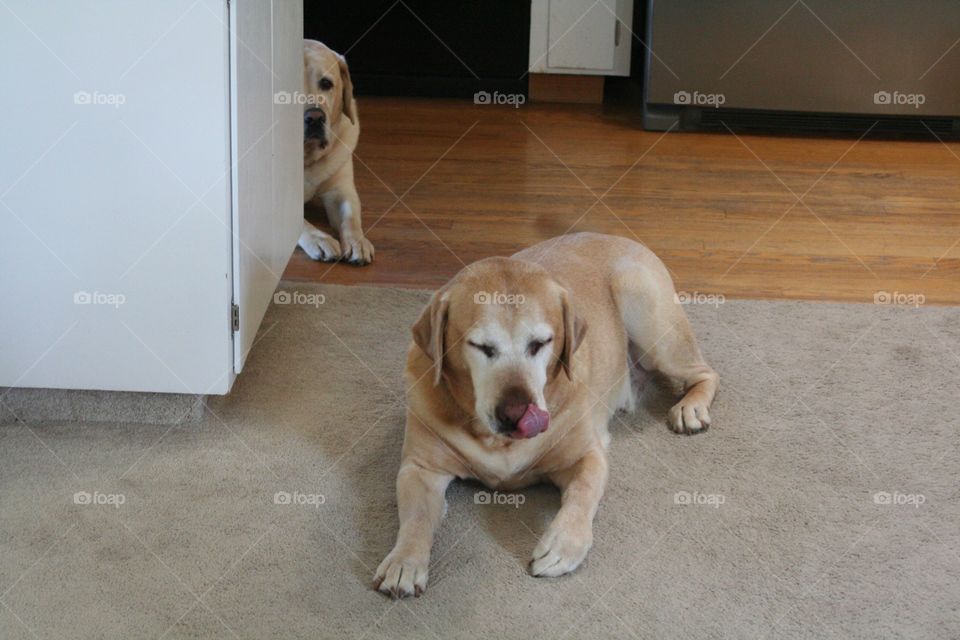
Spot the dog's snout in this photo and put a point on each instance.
(314, 121)
(511, 407)
(311, 115)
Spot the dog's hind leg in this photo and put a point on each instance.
(663, 340)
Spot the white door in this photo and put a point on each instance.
(266, 59)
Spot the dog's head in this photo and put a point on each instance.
(329, 95)
(502, 335)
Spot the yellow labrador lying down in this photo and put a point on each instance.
(516, 366)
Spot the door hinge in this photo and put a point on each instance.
(235, 316)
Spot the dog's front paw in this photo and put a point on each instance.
(319, 245)
(402, 575)
(560, 551)
(688, 417)
(356, 249)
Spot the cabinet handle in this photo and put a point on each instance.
(616, 32)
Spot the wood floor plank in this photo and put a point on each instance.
(444, 183)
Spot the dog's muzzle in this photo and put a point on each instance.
(519, 417)
(314, 125)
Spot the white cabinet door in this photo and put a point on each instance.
(115, 196)
(581, 36)
(266, 58)
(581, 39)
(148, 180)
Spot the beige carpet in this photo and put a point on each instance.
(822, 407)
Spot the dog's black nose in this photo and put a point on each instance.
(313, 123)
(311, 115)
(511, 407)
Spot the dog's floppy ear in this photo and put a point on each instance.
(348, 106)
(429, 329)
(574, 328)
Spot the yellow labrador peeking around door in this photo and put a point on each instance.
(331, 129)
(516, 366)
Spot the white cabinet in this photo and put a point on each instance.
(581, 36)
(149, 182)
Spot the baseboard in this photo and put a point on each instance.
(70, 405)
(552, 87)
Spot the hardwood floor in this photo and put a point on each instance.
(445, 182)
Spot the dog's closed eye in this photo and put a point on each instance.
(535, 345)
(488, 350)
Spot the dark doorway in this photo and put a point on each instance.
(427, 47)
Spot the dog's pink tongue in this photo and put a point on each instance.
(534, 421)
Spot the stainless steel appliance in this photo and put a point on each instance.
(834, 65)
